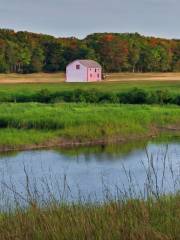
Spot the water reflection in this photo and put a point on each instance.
(91, 170)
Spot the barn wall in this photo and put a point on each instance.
(93, 75)
(74, 75)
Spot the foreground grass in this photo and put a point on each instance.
(128, 220)
(53, 124)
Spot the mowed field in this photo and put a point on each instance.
(60, 77)
(116, 82)
(32, 78)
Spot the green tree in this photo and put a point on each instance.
(23, 59)
(37, 60)
(134, 56)
(54, 60)
(113, 53)
(176, 58)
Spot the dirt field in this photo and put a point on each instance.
(60, 77)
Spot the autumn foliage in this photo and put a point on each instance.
(24, 52)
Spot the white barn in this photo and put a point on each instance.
(83, 71)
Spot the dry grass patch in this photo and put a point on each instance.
(60, 77)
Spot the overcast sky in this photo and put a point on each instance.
(81, 17)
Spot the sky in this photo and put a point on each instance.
(79, 18)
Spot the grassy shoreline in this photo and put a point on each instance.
(34, 125)
(156, 219)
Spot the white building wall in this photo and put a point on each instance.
(76, 75)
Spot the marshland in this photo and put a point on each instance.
(80, 159)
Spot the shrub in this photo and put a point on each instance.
(163, 97)
(43, 96)
(176, 100)
(134, 96)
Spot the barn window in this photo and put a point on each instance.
(91, 75)
(78, 67)
(98, 75)
(95, 69)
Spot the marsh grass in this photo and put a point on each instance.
(34, 123)
(130, 220)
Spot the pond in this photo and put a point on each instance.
(92, 173)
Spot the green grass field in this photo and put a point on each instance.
(173, 86)
(153, 92)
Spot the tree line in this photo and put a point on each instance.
(24, 52)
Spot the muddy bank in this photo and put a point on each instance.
(69, 143)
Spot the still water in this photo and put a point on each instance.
(92, 172)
